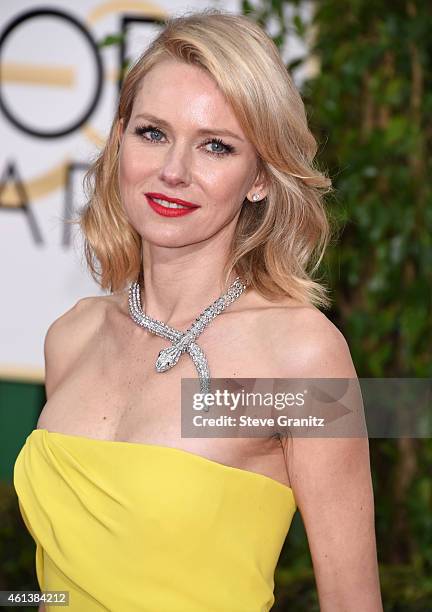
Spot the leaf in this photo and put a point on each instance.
(299, 25)
(110, 40)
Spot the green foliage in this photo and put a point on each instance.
(17, 549)
(111, 39)
(371, 100)
(369, 106)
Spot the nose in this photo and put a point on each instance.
(175, 165)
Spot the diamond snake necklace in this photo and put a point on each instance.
(183, 342)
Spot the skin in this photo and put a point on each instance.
(182, 261)
(183, 257)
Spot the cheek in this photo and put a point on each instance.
(133, 166)
(228, 184)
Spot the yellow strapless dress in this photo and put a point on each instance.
(133, 527)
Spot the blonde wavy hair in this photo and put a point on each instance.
(279, 242)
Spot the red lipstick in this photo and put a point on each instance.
(170, 212)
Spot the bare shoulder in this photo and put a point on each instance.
(324, 347)
(67, 336)
(306, 343)
(78, 318)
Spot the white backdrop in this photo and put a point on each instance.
(54, 113)
(49, 71)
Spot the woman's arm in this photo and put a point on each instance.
(332, 484)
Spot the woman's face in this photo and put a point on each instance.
(165, 151)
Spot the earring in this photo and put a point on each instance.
(256, 197)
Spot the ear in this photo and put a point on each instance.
(259, 189)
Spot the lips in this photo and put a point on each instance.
(163, 211)
(161, 196)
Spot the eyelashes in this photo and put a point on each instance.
(228, 149)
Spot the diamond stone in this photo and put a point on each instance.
(183, 341)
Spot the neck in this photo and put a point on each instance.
(179, 283)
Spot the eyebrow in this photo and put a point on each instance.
(202, 131)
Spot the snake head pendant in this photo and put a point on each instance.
(167, 358)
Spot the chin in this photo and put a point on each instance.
(171, 239)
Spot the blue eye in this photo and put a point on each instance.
(142, 130)
(218, 141)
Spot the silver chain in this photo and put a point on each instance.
(183, 342)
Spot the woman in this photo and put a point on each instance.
(205, 188)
